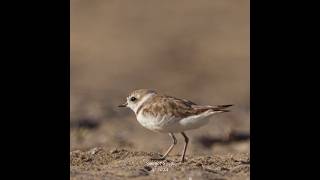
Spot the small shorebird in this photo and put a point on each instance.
(166, 114)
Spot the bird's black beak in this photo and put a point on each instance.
(123, 105)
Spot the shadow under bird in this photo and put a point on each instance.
(167, 114)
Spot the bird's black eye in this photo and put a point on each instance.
(133, 99)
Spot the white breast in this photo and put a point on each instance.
(149, 122)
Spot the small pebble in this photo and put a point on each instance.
(148, 168)
(94, 150)
(113, 151)
(198, 164)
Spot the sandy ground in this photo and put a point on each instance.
(98, 163)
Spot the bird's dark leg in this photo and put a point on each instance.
(174, 142)
(186, 139)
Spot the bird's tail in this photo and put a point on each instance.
(221, 108)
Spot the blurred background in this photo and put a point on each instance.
(198, 50)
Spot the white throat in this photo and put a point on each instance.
(144, 99)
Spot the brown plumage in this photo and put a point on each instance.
(180, 108)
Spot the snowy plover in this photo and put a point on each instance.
(166, 114)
